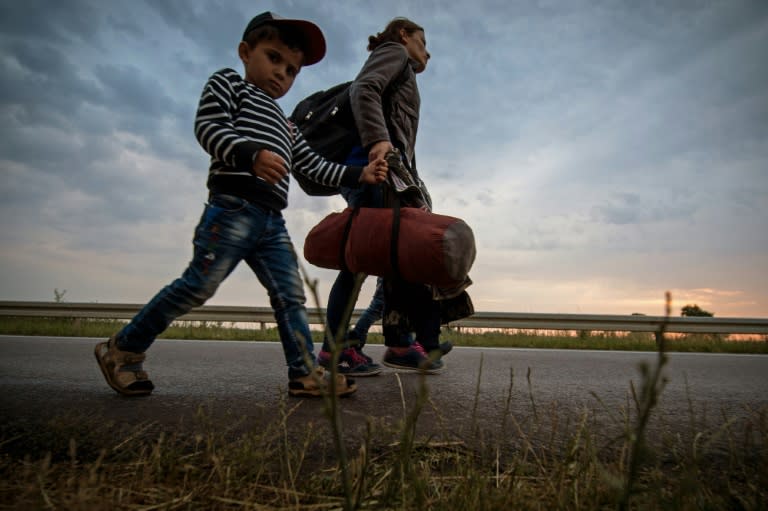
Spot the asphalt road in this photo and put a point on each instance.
(43, 379)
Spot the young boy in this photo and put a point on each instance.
(252, 146)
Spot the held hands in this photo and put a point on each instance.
(269, 166)
(380, 150)
(375, 172)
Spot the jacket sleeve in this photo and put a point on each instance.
(214, 126)
(384, 65)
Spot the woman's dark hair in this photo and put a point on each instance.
(392, 32)
(289, 36)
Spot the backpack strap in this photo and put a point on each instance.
(394, 244)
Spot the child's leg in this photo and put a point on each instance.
(396, 325)
(370, 315)
(338, 301)
(275, 264)
(220, 243)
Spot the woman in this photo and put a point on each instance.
(385, 103)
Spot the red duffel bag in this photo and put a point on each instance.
(423, 247)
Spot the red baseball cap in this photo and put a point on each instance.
(315, 41)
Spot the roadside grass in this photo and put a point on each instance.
(634, 341)
(541, 457)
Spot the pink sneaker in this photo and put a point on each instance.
(351, 362)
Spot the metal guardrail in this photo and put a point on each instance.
(501, 320)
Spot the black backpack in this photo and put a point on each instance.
(326, 121)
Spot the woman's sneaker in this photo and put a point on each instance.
(318, 383)
(351, 362)
(353, 338)
(368, 360)
(413, 358)
(123, 369)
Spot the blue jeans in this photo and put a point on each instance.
(371, 315)
(232, 230)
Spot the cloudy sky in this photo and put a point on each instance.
(603, 152)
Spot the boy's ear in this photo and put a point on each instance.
(242, 51)
(403, 36)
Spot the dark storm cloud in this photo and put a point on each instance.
(66, 88)
(57, 22)
(40, 84)
(210, 38)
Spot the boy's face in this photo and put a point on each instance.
(271, 66)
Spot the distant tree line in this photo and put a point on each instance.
(695, 310)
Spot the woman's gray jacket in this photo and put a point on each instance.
(387, 66)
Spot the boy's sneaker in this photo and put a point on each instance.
(317, 383)
(123, 369)
(351, 362)
(412, 358)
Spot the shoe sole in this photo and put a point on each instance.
(368, 373)
(352, 372)
(413, 369)
(99, 351)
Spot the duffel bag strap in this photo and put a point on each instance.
(395, 237)
(342, 248)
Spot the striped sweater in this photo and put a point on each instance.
(235, 119)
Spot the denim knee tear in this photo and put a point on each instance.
(211, 246)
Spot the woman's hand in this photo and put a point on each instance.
(380, 150)
(269, 166)
(375, 172)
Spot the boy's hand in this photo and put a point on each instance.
(269, 166)
(375, 172)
